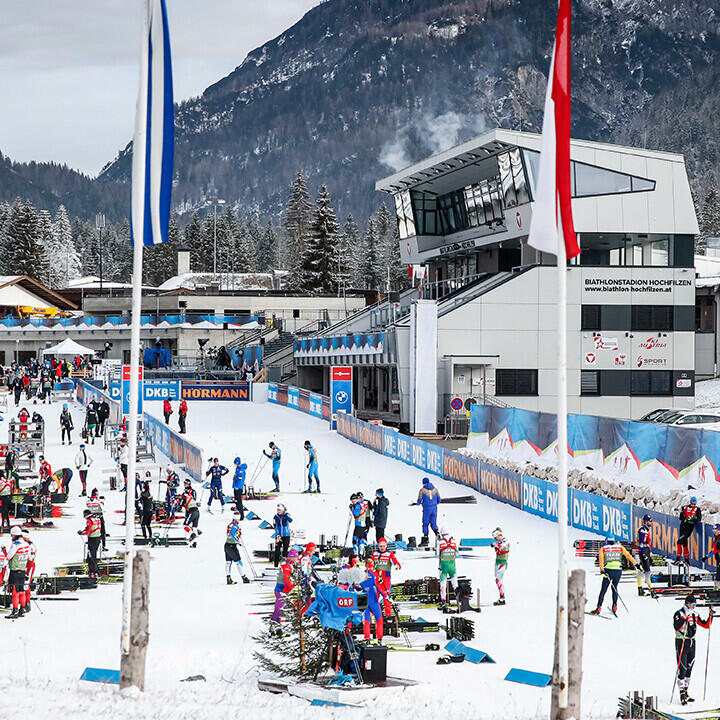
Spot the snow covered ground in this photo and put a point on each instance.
(199, 625)
(707, 394)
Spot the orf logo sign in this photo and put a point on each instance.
(345, 602)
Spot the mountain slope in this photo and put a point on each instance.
(358, 88)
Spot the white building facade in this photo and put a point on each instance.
(465, 215)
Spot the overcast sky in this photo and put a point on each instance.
(69, 68)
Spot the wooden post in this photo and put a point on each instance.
(576, 624)
(132, 665)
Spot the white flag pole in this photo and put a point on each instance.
(562, 597)
(138, 214)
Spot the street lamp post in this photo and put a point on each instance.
(99, 225)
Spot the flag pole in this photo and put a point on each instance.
(562, 445)
(138, 188)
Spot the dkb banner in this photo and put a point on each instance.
(601, 515)
(540, 498)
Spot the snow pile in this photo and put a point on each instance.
(608, 485)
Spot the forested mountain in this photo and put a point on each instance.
(358, 88)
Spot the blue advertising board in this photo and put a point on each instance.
(427, 457)
(161, 390)
(540, 498)
(126, 398)
(370, 436)
(601, 515)
(340, 392)
(115, 390)
(272, 392)
(316, 405)
(293, 400)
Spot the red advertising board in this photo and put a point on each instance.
(341, 373)
(126, 372)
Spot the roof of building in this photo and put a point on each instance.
(465, 155)
(223, 281)
(707, 271)
(92, 282)
(34, 287)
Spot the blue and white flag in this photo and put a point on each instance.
(153, 145)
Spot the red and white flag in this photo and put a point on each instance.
(552, 213)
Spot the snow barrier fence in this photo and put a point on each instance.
(586, 511)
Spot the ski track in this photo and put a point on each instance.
(199, 624)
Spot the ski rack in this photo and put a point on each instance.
(460, 628)
(638, 705)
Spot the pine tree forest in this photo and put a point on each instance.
(319, 252)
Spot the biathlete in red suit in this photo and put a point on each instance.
(383, 561)
(690, 516)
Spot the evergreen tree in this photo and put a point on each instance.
(63, 239)
(117, 253)
(160, 261)
(318, 271)
(301, 650)
(25, 253)
(349, 254)
(246, 243)
(368, 275)
(87, 243)
(298, 219)
(195, 240)
(267, 250)
(388, 243)
(709, 220)
(50, 270)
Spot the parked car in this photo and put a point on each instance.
(686, 418)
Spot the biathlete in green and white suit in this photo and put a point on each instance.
(502, 549)
(447, 553)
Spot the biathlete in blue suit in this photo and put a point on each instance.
(239, 486)
(276, 456)
(429, 498)
(216, 472)
(312, 467)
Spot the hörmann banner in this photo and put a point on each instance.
(371, 436)
(461, 469)
(215, 391)
(501, 484)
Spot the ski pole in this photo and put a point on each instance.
(615, 588)
(249, 561)
(42, 613)
(677, 671)
(707, 659)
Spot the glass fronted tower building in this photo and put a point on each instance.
(464, 215)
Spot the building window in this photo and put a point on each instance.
(705, 314)
(589, 382)
(404, 213)
(588, 180)
(651, 318)
(516, 382)
(651, 382)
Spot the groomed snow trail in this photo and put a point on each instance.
(199, 625)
